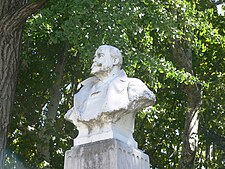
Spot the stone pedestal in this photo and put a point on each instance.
(105, 154)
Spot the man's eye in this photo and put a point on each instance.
(100, 55)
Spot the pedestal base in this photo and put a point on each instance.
(105, 154)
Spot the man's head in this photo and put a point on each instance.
(107, 58)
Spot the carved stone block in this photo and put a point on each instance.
(105, 154)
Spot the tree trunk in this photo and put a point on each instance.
(13, 14)
(55, 97)
(9, 47)
(183, 59)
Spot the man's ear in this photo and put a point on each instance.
(116, 61)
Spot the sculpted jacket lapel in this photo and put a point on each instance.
(116, 91)
(80, 99)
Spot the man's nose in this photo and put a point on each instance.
(94, 60)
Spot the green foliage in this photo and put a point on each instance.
(145, 32)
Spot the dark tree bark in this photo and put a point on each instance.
(182, 54)
(13, 14)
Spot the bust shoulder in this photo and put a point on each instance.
(138, 91)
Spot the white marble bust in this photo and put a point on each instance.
(106, 105)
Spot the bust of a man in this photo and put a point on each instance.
(106, 105)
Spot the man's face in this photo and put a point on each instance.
(102, 62)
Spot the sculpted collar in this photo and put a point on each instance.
(92, 80)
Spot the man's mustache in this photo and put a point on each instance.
(96, 64)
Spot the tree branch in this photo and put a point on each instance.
(13, 20)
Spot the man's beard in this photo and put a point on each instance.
(100, 69)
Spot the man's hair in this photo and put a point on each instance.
(114, 53)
